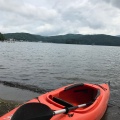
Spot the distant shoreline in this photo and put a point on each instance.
(95, 39)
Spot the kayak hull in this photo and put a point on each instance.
(74, 94)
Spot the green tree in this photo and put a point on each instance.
(2, 38)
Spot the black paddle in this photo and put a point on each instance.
(39, 111)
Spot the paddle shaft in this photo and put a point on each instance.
(68, 109)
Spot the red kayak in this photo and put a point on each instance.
(72, 102)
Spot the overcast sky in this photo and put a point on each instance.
(55, 17)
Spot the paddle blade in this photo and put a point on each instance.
(33, 111)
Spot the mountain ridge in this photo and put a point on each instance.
(95, 39)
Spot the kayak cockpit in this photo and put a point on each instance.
(74, 95)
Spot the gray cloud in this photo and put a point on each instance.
(115, 3)
(52, 17)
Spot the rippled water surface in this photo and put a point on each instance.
(48, 66)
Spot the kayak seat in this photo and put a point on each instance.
(62, 102)
(79, 94)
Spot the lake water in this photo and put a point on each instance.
(49, 66)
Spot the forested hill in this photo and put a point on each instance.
(99, 39)
(23, 37)
(2, 38)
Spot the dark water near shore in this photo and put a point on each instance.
(47, 66)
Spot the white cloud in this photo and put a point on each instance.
(45, 27)
(52, 17)
(27, 10)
